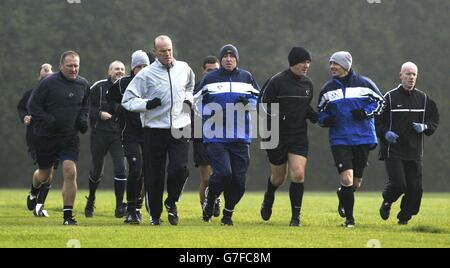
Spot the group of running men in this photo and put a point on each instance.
(139, 117)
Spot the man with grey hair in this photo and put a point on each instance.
(105, 137)
(347, 105)
(408, 115)
(162, 93)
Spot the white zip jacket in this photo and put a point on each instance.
(173, 86)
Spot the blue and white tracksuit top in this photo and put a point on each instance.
(219, 88)
(339, 97)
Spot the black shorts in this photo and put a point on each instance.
(50, 150)
(279, 155)
(200, 155)
(351, 157)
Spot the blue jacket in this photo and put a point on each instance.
(339, 97)
(217, 89)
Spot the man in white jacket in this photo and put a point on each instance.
(162, 93)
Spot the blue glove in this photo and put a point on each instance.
(419, 128)
(391, 137)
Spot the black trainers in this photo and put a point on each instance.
(31, 203)
(349, 223)
(217, 207)
(266, 207)
(157, 221)
(295, 222)
(340, 209)
(208, 210)
(121, 210)
(226, 221)
(172, 213)
(70, 221)
(132, 218)
(385, 210)
(402, 222)
(89, 209)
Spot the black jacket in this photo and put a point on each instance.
(294, 94)
(130, 122)
(402, 109)
(23, 111)
(98, 104)
(59, 107)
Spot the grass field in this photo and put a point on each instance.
(320, 224)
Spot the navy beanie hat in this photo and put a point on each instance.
(297, 55)
(229, 49)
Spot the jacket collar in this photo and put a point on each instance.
(404, 91)
(160, 65)
(225, 71)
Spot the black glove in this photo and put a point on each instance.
(359, 114)
(120, 110)
(187, 106)
(330, 121)
(242, 99)
(82, 127)
(152, 104)
(312, 115)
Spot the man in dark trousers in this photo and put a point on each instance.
(409, 115)
(223, 94)
(162, 93)
(347, 105)
(292, 90)
(105, 137)
(132, 137)
(34, 203)
(201, 159)
(59, 107)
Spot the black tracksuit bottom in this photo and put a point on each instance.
(404, 177)
(158, 146)
(133, 148)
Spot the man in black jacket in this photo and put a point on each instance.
(34, 202)
(132, 137)
(105, 137)
(408, 115)
(292, 90)
(59, 107)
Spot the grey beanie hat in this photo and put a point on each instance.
(139, 57)
(342, 58)
(229, 49)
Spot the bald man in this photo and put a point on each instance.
(408, 116)
(162, 93)
(105, 137)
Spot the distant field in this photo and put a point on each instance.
(321, 224)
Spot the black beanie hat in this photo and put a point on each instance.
(297, 55)
(229, 49)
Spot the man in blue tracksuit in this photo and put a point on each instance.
(222, 93)
(347, 105)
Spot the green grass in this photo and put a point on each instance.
(320, 224)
